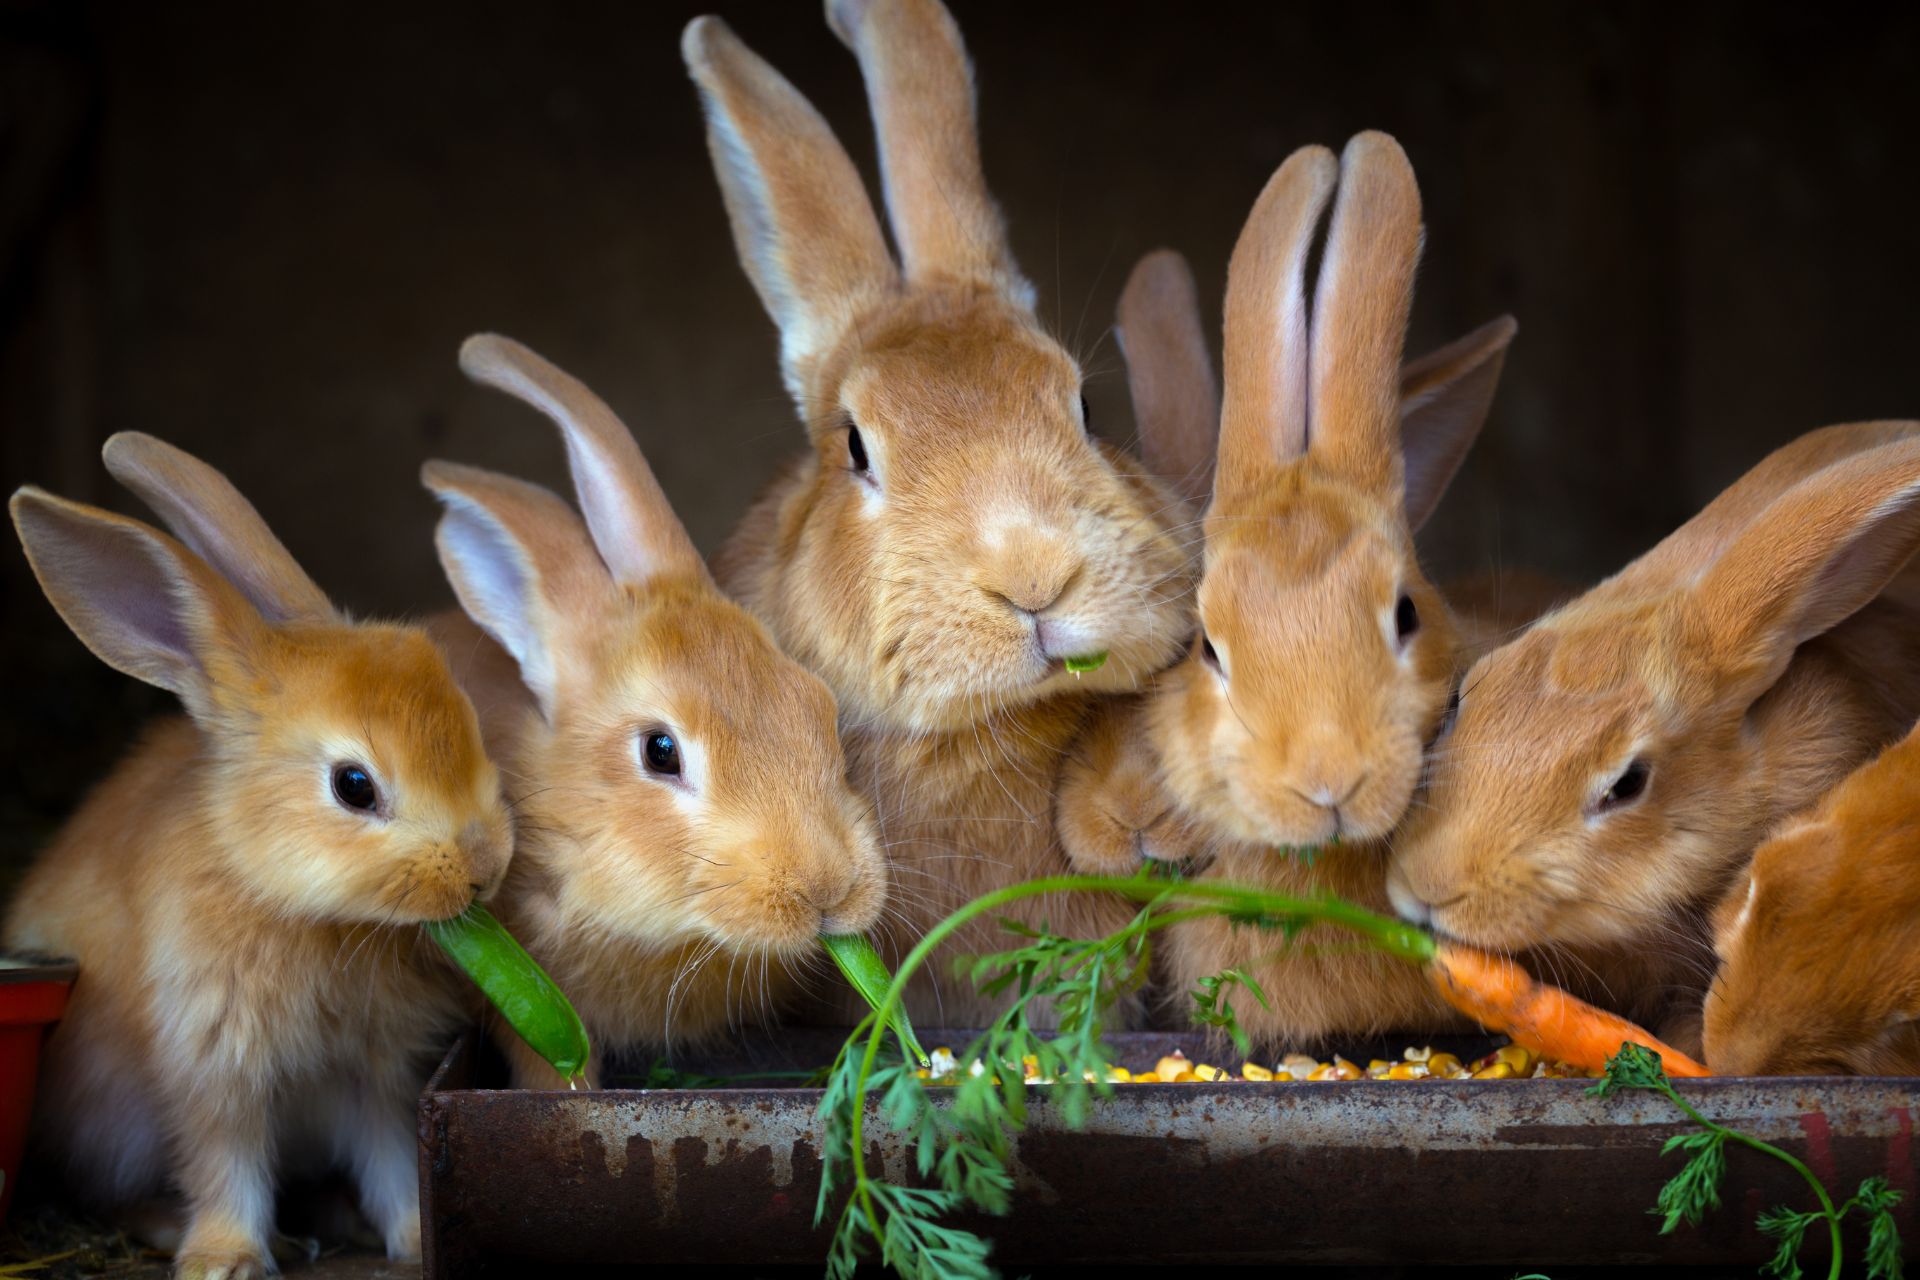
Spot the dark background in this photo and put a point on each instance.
(260, 231)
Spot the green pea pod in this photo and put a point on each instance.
(1087, 662)
(518, 987)
(870, 977)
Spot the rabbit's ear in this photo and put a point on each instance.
(920, 89)
(1263, 414)
(1817, 554)
(521, 562)
(203, 509)
(633, 525)
(802, 222)
(1360, 308)
(1176, 401)
(142, 602)
(1444, 399)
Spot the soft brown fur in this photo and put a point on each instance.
(253, 997)
(668, 908)
(1751, 659)
(1306, 725)
(1820, 941)
(939, 592)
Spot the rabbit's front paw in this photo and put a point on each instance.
(220, 1264)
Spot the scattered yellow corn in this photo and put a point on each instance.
(1508, 1062)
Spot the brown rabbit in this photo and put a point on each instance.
(1609, 772)
(954, 534)
(240, 892)
(1325, 658)
(1820, 941)
(685, 825)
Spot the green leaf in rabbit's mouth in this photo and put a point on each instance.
(1087, 662)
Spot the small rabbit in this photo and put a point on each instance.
(241, 891)
(1609, 772)
(685, 825)
(955, 534)
(1820, 941)
(1325, 659)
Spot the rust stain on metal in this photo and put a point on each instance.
(1512, 1172)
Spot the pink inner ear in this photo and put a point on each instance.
(123, 587)
(1863, 567)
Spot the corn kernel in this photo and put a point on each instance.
(1185, 1077)
(1376, 1070)
(1521, 1060)
(1422, 1054)
(942, 1063)
(1205, 1072)
(1378, 1064)
(1325, 1071)
(1299, 1064)
(922, 1074)
(1498, 1071)
(1119, 1075)
(1406, 1071)
(1171, 1065)
(1443, 1064)
(1250, 1071)
(1344, 1070)
(1029, 1065)
(1146, 1077)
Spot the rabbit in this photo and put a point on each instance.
(685, 824)
(954, 534)
(1819, 942)
(241, 892)
(1605, 775)
(1324, 658)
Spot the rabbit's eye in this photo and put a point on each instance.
(1208, 652)
(1406, 618)
(353, 787)
(662, 754)
(856, 450)
(1628, 787)
(1086, 416)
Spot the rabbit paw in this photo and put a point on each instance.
(1111, 830)
(238, 1264)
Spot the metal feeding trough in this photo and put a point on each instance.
(1530, 1172)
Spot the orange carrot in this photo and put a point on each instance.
(1501, 996)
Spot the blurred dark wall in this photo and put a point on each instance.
(260, 231)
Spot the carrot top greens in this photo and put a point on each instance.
(961, 1150)
(1695, 1190)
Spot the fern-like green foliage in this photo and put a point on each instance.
(1213, 1006)
(1694, 1192)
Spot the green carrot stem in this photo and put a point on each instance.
(1786, 1157)
(1391, 935)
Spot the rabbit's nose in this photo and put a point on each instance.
(847, 904)
(1030, 569)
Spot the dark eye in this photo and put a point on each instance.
(1208, 652)
(1406, 618)
(662, 753)
(856, 450)
(353, 787)
(1086, 416)
(1628, 786)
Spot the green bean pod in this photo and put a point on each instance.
(870, 976)
(1087, 662)
(517, 986)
